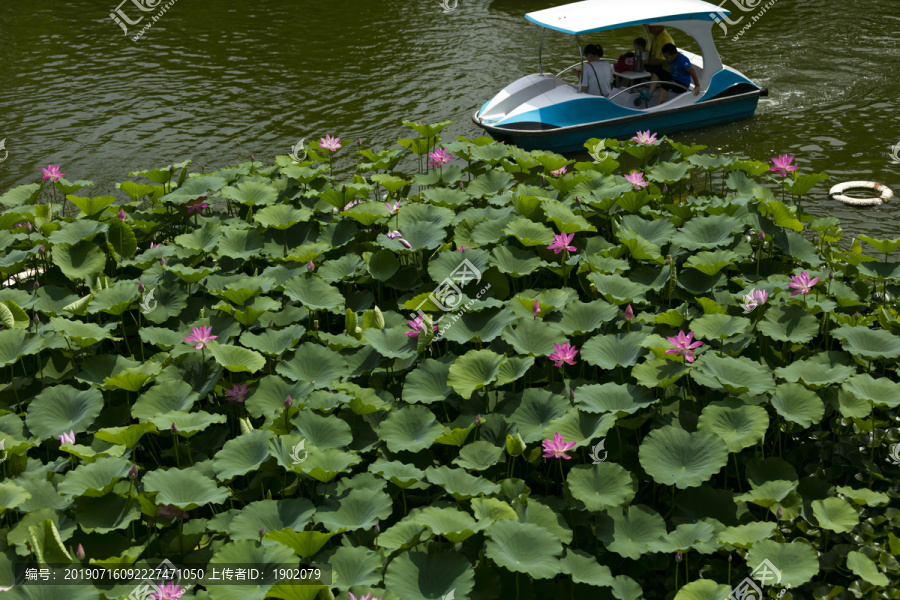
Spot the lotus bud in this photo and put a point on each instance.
(461, 185)
(729, 557)
(629, 313)
(536, 309)
(831, 275)
(151, 522)
(359, 141)
(37, 319)
(856, 316)
(36, 286)
(251, 157)
(132, 473)
(162, 261)
(515, 446)
(271, 324)
(761, 236)
(310, 266)
(262, 531)
(572, 394)
(28, 226)
(691, 188)
(665, 189)
(122, 215)
(577, 200)
(41, 249)
(141, 287)
(478, 419)
(778, 512)
(288, 402)
(343, 189)
(174, 428)
(171, 170)
(79, 554)
(678, 556)
(204, 281)
(377, 527)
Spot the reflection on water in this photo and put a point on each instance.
(216, 81)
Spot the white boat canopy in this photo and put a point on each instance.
(599, 15)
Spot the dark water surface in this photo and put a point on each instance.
(217, 80)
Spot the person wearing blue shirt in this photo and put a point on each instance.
(681, 71)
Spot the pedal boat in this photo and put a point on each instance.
(542, 111)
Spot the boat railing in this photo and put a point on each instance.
(578, 64)
(647, 84)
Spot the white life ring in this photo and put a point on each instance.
(885, 193)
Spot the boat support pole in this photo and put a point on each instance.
(580, 54)
(540, 50)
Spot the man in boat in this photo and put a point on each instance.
(659, 37)
(681, 72)
(597, 73)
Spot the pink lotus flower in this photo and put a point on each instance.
(367, 596)
(563, 353)
(559, 172)
(168, 591)
(67, 437)
(461, 248)
(79, 553)
(783, 164)
(753, 299)
(561, 242)
(557, 448)
(152, 245)
(310, 266)
(330, 143)
(629, 313)
(351, 204)
(197, 205)
(644, 137)
(536, 309)
(416, 325)
(200, 336)
(122, 216)
(636, 178)
(439, 158)
(170, 512)
(394, 235)
(405, 243)
(393, 208)
(683, 345)
(237, 393)
(802, 284)
(52, 173)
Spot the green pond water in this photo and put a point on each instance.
(215, 81)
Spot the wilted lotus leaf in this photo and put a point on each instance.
(673, 456)
(797, 561)
(63, 408)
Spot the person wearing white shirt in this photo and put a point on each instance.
(597, 76)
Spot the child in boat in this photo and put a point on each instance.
(681, 71)
(597, 73)
(640, 53)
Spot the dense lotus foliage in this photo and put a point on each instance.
(509, 375)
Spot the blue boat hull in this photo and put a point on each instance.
(536, 136)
